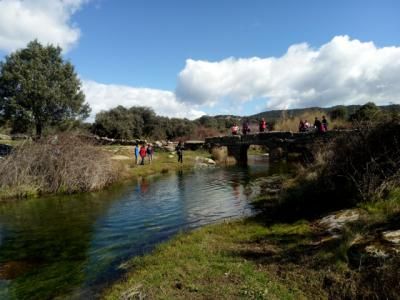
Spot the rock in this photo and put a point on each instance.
(369, 251)
(170, 148)
(5, 137)
(392, 237)
(211, 162)
(205, 160)
(376, 251)
(171, 156)
(120, 157)
(201, 165)
(158, 144)
(335, 222)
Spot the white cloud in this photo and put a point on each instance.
(105, 96)
(49, 21)
(343, 71)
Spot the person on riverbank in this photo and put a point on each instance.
(142, 153)
(137, 149)
(235, 129)
(245, 127)
(150, 152)
(324, 124)
(179, 151)
(263, 125)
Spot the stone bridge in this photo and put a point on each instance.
(279, 143)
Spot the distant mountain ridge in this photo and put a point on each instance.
(273, 115)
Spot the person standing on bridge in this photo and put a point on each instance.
(245, 127)
(263, 125)
(235, 129)
(324, 124)
(302, 127)
(318, 125)
(306, 125)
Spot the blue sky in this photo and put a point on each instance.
(136, 52)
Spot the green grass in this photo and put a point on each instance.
(384, 209)
(21, 191)
(205, 264)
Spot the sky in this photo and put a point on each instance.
(190, 58)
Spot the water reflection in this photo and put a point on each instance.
(74, 245)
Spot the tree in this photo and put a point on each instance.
(368, 112)
(38, 89)
(339, 112)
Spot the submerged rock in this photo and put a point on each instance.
(203, 162)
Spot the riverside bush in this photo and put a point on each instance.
(368, 160)
(353, 169)
(59, 164)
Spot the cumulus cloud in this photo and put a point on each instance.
(49, 21)
(105, 96)
(343, 71)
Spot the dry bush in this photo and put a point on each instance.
(219, 154)
(286, 123)
(202, 132)
(58, 164)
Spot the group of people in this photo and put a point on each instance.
(246, 127)
(143, 152)
(304, 126)
(319, 125)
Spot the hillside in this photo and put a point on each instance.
(273, 115)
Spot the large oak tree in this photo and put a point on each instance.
(38, 88)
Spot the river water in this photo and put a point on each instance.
(73, 246)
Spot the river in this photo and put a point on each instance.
(74, 246)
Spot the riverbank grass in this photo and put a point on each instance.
(209, 263)
(163, 161)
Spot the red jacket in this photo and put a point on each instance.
(142, 152)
